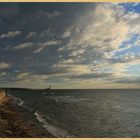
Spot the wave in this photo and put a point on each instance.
(19, 101)
(86, 100)
(22, 103)
(55, 131)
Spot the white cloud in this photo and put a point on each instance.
(3, 74)
(52, 42)
(137, 42)
(80, 69)
(30, 35)
(119, 70)
(22, 75)
(66, 33)
(30, 76)
(70, 68)
(120, 66)
(102, 37)
(47, 44)
(23, 46)
(53, 14)
(10, 34)
(39, 49)
(26, 79)
(4, 65)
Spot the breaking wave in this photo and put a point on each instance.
(55, 131)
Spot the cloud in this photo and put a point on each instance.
(47, 44)
(48, 32)
(22, 75)
(53, 14)
(4, 65)
(39, 49)
(3, 74)
(103, 37)
(78, 69)
(23, 46)
(70, 31)
(42, 15)
(26, 79)
(99, 46)
(97, 36)
(31, 35)
(128, 80)
(92, 76)
(66, 33)
(72, 68)
(127, 58)
(137, 42)
(10, 34)
(120, 66)
(30, 77)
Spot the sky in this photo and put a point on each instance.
(70, 45)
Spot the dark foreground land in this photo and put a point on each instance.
(15, 122)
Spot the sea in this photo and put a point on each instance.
(84, 113)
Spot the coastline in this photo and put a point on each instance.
(17, 122)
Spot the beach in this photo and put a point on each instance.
(15, 122)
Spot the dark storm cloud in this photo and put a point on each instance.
(8, 10)
(39, 24)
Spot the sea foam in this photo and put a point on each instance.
(55, 131)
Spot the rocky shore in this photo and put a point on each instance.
(15, 121)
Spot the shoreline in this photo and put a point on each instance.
(18, 122)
